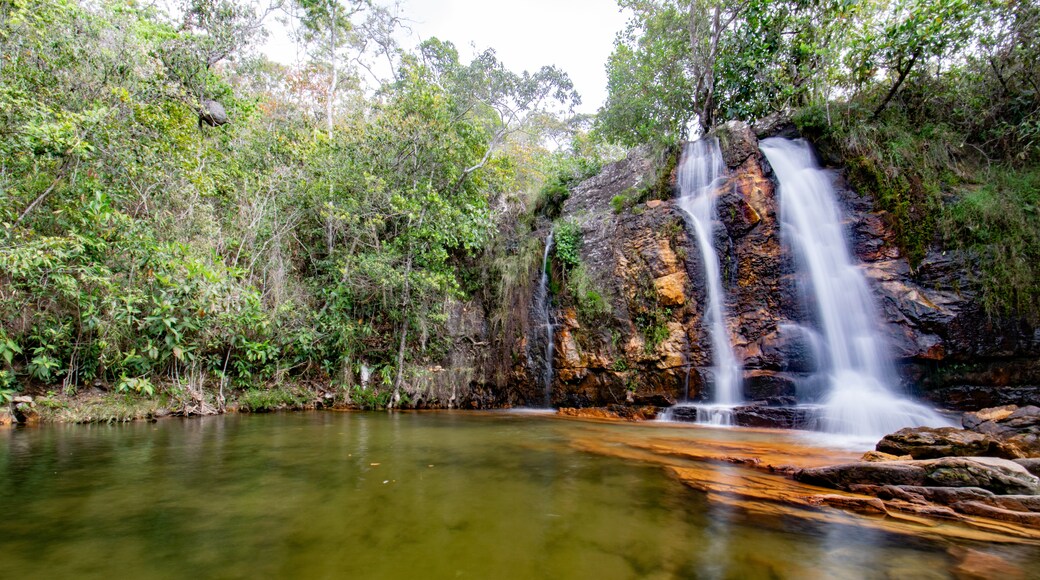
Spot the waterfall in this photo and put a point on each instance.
(543, 318)
(858, 369)
(700, 172)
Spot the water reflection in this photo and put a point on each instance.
(406, 495)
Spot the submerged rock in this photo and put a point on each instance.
(979, 565)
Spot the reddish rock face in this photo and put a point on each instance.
(649, 340)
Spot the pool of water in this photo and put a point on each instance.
(406, 495)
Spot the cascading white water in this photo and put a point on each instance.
(700, 171)
(542, 310)
(858, 400)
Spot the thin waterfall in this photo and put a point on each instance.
(543, 318)
(700, 172)
(858, 370)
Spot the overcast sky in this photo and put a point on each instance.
(575, 35)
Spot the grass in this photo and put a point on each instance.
(274, 399)
(937, 190)
(999, 224)
(99, 408)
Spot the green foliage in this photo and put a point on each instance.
(648, 88)
(621, 202)
(999, 224)
(137, 242)
(592, 305)
(141, 386)
(370, 398)
(567, 239)
(273, 399)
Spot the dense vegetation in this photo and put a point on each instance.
(146, 245)
(933, 106)
(182, 217)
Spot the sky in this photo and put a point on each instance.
(575, 35)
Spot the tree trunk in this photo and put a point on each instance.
(903, 73)
(331, 97)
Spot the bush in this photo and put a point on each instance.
(568, 243)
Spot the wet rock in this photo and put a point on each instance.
(1016, 428)
(653, 400)
(738, 142)
(973, 420)
(24, 410)
(851, 474)
(931, 443)
(999, 476)
(863, 505)
(624, 412)
(975, 508)
(671, 289)
(875, 456)
(978, 565)
(790, 348)
(683, 413)
(920, 494)
(1031, 464)
(1019, 503)
(761, 384)
(771, 417)
(6, 417)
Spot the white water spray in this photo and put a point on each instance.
(858, 368)
(543, 317)
(700, 172)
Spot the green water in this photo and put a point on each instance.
(453, 496)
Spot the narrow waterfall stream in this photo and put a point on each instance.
(700, 170)
(859, 372)
(542, 310)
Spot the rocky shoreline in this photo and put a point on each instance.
(989, 469)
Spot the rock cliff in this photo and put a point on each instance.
(643, 342)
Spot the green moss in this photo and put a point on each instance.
(998, 223)
(273, 399)
(936, 192)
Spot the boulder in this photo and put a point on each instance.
(875, 456)
(932, 443)
(1032, 464)
(974, 419)
(24, 410)
(759, 384)
(922, 494)
(212, 113)
(998, 476)
(1017, 429)
(847, 475)
(774, 417)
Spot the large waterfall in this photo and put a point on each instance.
(859, 371)
(700, 171)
